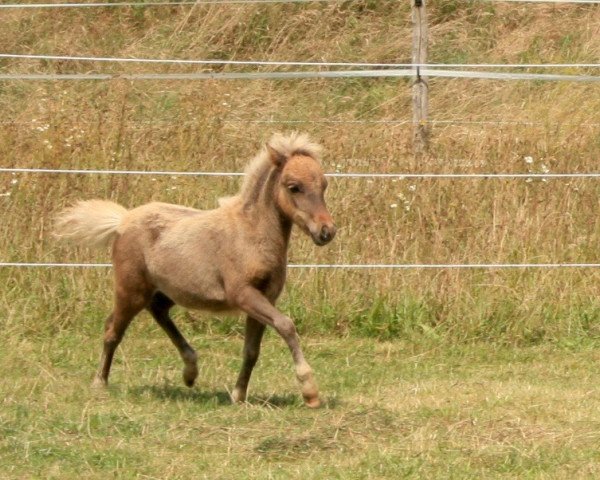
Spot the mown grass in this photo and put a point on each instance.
(425, 373)
(392, 410)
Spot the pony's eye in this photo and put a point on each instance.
(294, 188)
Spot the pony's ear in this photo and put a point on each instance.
(277, 158)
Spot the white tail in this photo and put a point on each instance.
(93, 222)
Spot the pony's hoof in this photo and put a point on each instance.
(313, 402)
(98, 383)
(237, 396)
(189, 375)
(189, 382)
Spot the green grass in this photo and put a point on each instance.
(392, 410)
(425, 373)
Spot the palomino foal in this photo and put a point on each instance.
(230, 258)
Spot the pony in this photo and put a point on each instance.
(232, 258)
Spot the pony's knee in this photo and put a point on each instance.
(111, 339)
(115, 330)
(285, 327)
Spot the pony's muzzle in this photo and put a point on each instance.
(325, 234)
(320, 227)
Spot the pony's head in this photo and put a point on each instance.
(300, 190)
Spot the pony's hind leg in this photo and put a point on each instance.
(252, 339)
(115, 327)
(132, 294)
(159, 308)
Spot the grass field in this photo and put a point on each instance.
(218, 126)
(426, 373)
(392, 410)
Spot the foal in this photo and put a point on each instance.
(230, 258)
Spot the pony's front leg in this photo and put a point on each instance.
(252, 339)
(256, 305)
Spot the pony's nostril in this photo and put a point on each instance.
(325, 234)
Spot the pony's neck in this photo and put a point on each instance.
(259, 202)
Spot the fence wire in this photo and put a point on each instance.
(179, 173)
(373, 266)
(227, 2)
(183, 61)
(299, 75)
(155, 4)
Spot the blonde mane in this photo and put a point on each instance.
(258, 169)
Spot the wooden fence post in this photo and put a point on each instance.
(420, 88)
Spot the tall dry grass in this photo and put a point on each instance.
(212, 125)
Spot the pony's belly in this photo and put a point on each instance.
(194, 300)
(198, 292)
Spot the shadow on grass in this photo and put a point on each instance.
(221, 397)
(176, 393)
(288, 400)
(275, 401)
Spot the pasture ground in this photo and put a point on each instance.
(487, 373)
(392, 410)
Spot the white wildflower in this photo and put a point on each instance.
(528, 160)
(14, 181)
(394, 205)
(412, 188)
(544, 168)
(7, 194)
